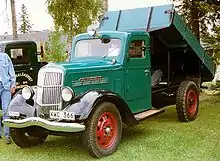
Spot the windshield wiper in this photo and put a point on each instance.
(104, 56)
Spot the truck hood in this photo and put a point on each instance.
(88, 65)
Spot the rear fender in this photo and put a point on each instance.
(85, 104)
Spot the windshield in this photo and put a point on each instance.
(98, 48)
(19, 56)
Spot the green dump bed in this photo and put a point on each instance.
(164, 21)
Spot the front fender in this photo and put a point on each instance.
(84, 104)
(19, 105)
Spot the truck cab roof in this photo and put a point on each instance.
(112, 34)
(7, 42)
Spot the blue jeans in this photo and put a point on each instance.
(5, 96)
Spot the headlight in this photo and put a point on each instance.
(67, 94)
(27, 92)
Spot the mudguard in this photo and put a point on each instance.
(84, 104)
(19, 105)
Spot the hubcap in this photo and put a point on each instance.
(106, 130)
(192, 102)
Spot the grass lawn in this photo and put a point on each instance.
(159, 138)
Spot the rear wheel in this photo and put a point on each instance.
(187, 101)
(27, 137)
(103, 130)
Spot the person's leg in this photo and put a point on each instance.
(0, 120)
(6, 98)
(1, 89)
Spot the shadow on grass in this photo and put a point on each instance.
(60, 148)
(169, 115)
(74, 141)
(72, 147)
(134, 132)
(128, 133)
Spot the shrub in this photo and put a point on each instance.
(212, 85)
(55, 49)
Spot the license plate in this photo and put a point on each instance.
(12, 113)
(62, 115)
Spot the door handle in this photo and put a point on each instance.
(146, 71)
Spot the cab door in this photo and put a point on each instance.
(137, 75)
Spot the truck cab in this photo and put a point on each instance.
(119, 72)
(123, 59)
(25, 59)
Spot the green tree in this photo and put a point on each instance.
(54, 48)
(199, 14)
(211, 43)
(13, 18)
(74, 16)
(25, 20)
(203, 17)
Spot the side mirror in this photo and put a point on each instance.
(91, 30)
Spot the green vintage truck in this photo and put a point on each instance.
(131, 66)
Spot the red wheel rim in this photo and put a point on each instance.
(106, 130)
(192, 102)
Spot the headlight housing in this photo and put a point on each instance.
(27, 92)
(67, 94)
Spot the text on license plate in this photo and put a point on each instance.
(62, 115)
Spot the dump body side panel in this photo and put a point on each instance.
(140, 19)
(193, 42)
(160, 17)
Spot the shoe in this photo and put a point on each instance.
(7, 140)
(0, 137)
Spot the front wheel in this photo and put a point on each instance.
(28, 137)
(103, 130)
(187, 101)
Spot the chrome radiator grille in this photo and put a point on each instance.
(51, 95)
(53, 79)
(50, 82)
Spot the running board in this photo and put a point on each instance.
(145, 114)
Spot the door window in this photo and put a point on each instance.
(136, 49)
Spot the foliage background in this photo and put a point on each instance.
(26, 25)
(73, 17)
(55, 49)
(203, 17)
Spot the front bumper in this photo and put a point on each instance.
(49, 125)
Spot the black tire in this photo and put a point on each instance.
(187, 101)
(104, 120)
(28, 137)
